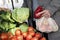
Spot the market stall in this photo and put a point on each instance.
(17, 21)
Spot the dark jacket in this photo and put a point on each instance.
(54, 7)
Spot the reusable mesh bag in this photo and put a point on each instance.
(46, 25)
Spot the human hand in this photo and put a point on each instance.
(45, 13)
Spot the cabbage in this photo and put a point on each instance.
(20, 14)
(13, 30)
(23, 27)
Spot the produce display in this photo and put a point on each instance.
(12, 26)
(30, 34)
(5, 14)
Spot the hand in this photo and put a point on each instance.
(45, 13)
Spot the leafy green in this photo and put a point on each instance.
(6, 15)
(9, 21)
(13, 30)
(6, 26)
(20, 14)
(23, 27)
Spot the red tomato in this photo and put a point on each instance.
(20, 37)
(13, 38)
(0, 35)
(10, 35)
(38, 35)
(4, 36)
(34, 38)
(32, 33)
(30, 29)
(24, 34)
(28, 37)
(43, 38)
(17, 32)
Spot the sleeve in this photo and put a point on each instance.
(53, 6)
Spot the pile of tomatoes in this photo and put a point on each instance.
(19, 35)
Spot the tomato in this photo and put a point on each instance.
(20, 37)
(18, 32)
(34, 38)
(0, 35)
(4, 36)
(24, 34)
(32, 33)
(28, 37)
(13, 38)
(38, 35)
(43, 38)
(30, 29)
(10, 35)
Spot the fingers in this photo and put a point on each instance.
(39, 13)
(45, 13)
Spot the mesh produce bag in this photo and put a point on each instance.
(46, 25)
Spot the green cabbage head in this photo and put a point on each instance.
(20, 14)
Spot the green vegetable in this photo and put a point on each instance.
(20, 14)
(8, 20)
(23, 27)
(6, 15)
(13, 30)
(6, 26)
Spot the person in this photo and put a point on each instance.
(51, 9)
